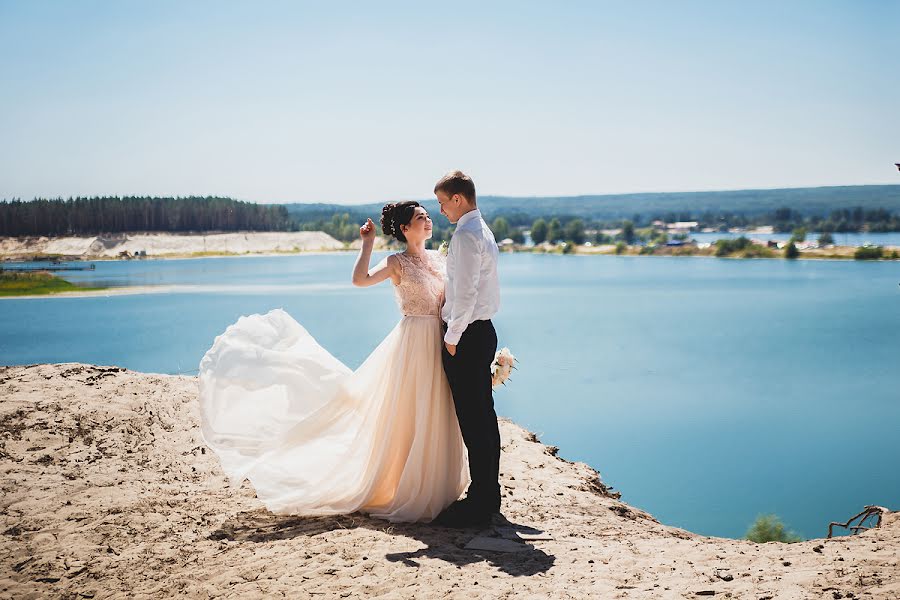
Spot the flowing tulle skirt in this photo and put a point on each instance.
(315, 438)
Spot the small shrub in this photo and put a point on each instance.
(621, 247)
(868, 253)
(799, 235)
(660, 237)
(726, 247)
(754, 251)
(790, 251)
(769, 528)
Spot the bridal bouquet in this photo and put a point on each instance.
(504, 363)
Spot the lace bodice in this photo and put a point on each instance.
(421, 288)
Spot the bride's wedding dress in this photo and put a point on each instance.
(316, 438)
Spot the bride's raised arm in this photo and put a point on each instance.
(390, 268)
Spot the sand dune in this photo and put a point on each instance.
(162, 244)
(108, 492)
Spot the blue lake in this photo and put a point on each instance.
(706, 390)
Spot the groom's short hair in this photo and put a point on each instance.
(456, 182)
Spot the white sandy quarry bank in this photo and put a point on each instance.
(108, 492)
(157, 244)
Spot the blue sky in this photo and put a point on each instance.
(365, 102)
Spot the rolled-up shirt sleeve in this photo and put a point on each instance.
(467, 261)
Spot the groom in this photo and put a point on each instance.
(472, 298)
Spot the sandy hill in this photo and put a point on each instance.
(170, 244)
(108, 492)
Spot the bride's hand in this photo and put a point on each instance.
(367, 231)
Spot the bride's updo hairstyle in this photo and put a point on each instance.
(394, 215)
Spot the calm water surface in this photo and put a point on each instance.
(707, 390)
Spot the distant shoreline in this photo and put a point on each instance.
(830, 253)
(169, 246)
(114, 291)
(839, 253)
(633, 251)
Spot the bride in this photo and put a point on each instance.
(314, 437)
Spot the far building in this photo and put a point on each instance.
(682, 226)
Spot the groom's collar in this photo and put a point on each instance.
(472, 214)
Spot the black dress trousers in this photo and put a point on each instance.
(469, 375)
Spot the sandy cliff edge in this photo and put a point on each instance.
(108, 492)
(169, 244)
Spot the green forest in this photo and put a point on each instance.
(91, 216)
(617, 207)
(550, 228)
(824, 209)
(874, 208)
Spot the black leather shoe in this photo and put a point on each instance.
(463, 515)
(452, 516)
(453, 511)
(463, 521)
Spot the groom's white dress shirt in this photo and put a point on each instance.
(472, 287)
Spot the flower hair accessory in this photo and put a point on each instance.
(501, 368)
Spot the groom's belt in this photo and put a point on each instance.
(478, 322)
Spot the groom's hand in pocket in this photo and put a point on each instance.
(451, 349)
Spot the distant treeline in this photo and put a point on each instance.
(840, 220)
(874, 208)
(618, 207)
(783, 219)
(568, 228)
(569, 219)
(91, 216)
(750, 203)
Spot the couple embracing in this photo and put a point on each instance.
(405, 434)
